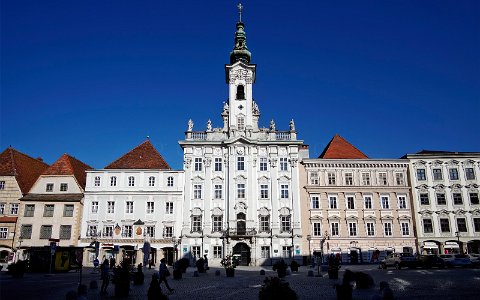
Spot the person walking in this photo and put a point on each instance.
(105, 276)
(163, 273)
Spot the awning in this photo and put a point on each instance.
(451, 245)
(430, 245)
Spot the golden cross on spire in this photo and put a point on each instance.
(240, 8)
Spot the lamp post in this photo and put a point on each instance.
(174, 242)
(457, 234)
(309, 238)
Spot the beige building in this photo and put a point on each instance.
(52, 210)
(18, 172)
(356, 206)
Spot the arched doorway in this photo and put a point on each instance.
(242, 251)
(241, 224)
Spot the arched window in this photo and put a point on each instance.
(170, 181)
(151, 181)
(131, 181)
(240, 92)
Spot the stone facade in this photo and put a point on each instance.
(445, 188)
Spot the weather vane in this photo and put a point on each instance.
(240, 8)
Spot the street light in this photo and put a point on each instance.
(309, 238)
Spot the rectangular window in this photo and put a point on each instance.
(68, 210)
(97, 181)
(399, 179)
(63, 187)
(14, 208)
(263, 164)
(313, 178)
(197, 191)
(351, 202)
(65, 232)
(334, 229)
(240, 122)
(444, 225)
(264, 191)
(94, 207)
(453, 173)
(49, 187)
(169, 208)
(131, 181)
(196, 251)
(348, 178)
(128, 207)
(427, 226)
(217, 252)
(92, 230)
(108, 231)
(264, 223)
(150, 231)
(284, 191)
(283, 164)
(26, 232)
(168, 232)
(365, 178)
(113, 181)
(286, 251)
(217, 224)
(402, 202)
(111, 207)
(424, 199)
(218, 164)
(405, 229)
(240, 163)
(457, 199)
(421, 175)
(285, 224)
(382, 179)
(46, 232)
(2, 208)
(469, 173)
(29, 210)
(368, 202)
(476, 224)
(331, 178)
(127, 231)
(437, 174)
(2, 185)
(473, 198)
(196, 223)
(170, 181)
(441, 200)
(352, 229)
(387, 229)
(332, 202)
(241, 190)
(265, 252)
(385, 202)
(461, 225)
(48, 210)
(217, 191)
(3, 233)
(315, 200)
(370, 229)
(150, 207)
(198, 164)
(317, 229)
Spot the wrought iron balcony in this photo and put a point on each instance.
(242, 232)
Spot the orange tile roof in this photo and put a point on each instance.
(26, 169)
(144, 156)
(69, 165)
(339, 148)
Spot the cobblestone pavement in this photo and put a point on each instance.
(406, 284)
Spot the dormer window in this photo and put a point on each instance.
(49, 187)
(240, 92)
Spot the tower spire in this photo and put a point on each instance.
(240, 51)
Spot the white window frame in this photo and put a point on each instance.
(332, 178)
(131, 180)
(3, 205)
(369, 201)
(151, 181)
(335, 229)
(470, 173)
(94, 209)
(350, 201)
(402, 202)
(150, 207)
(128, 207)
(218, 191)
(284, 191)
(168, 232)
(314, 179)
(349, 178)
(127, 231)
(63, 187)
(49, 187)
(283, 164)
(332, 200)
(110, 207)
(170, 181)
(218, 164)
(3, 233)
(97, 181)
(150, 231)
(169, 208)
(2, 185)
(263, 164)
(385, 201)
(217, 252)
(198, 164)
(399, 179)
(241, 163)
(14, 207)
(315, 202)
(366, 178)
(197, 191)
(382, 178)
(387, 229)
(241, 190)
(453, 174)
(316, 229)
(264, 191)
(437, 176)
(352, 229)
(113, 181)
(370, 228)
(217, 223)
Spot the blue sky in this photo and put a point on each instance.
(94, 78)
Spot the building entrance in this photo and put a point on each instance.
(242, 252)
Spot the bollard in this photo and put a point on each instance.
(195, 273)
(217, 273)
(262, 272)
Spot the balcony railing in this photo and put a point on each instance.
(242, 232)
(282, 136)
(199, 135)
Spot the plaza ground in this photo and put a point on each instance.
(406, 284)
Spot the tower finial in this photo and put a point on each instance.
(240, 8)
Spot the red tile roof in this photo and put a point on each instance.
(339, 148)
(25, 168)
(144, 156)
(69, 165)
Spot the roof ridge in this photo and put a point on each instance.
(340, 148)
(129, 152)
(143, 156)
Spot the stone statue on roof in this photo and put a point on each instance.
(190, 125)
(209, 125)
(292, 125)
(272, 125)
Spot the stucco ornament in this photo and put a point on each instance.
(240, 74)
